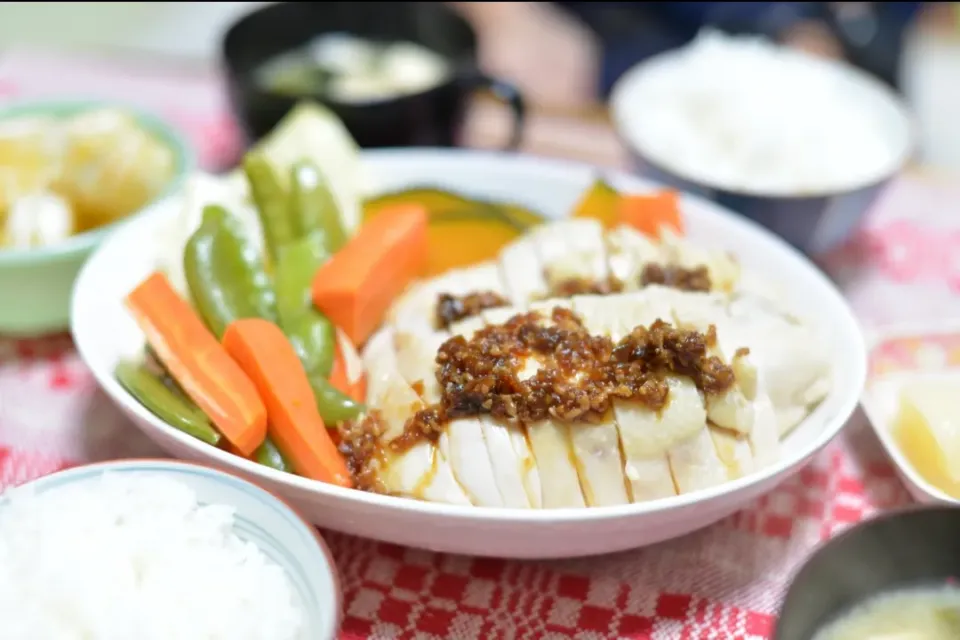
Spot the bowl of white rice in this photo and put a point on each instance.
(156, 550)
(798, 144)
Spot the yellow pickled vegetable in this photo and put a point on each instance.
(927, 429)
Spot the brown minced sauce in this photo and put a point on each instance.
(579, 378)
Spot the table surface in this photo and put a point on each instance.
(723, 582)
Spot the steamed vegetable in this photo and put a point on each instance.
(265, 354)
(312, 207)
(272, 202)
(198, 363)
(225, 274)
(649, 213)
(358, 284)
(169, 406)
(312, 334)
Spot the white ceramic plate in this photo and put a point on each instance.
(905, 354)
(104, 332)
(259, 518)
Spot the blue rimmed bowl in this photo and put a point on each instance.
(36, 284)
(259, 517)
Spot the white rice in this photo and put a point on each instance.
(135, 557)
(744, 114)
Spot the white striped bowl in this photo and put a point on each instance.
(260, 518)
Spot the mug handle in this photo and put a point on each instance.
(510, 96)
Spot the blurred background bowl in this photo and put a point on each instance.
(36, 284)
(259, 518)
(812, 221)
(915, 547)
(432, 117)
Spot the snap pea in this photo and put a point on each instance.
(225, 275)
(312, 335)
(313, 208)
(293, 274)
(171, 407)
(333, 406)
(272, 202)
(269, 455)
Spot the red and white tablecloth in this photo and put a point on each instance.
(724, 582)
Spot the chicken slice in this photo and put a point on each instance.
(646, 466)
(628, 251)
(572, 250)
(549, 440)
(417, 307)
(507, 468)
(723, 268)
(522, 272)
(736, 411)
(421, 471)
(682, 431)
(523, 454)
(597, 446)
(791, 358)
(486, 468)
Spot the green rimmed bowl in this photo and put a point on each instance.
(36, 284)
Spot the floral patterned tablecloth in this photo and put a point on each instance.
(724, 582)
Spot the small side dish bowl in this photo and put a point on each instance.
(260, 518)
(900, 356)
(812, 220)
(917, 547)
(35, 284)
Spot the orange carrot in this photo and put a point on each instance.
(197, 361)
(647, 213)
(347, 375)
(266, 355)
(356, 286)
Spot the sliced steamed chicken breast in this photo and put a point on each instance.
(509, 454)
(743, 425)
(416, 308)
(628, 251)
(791, 357)
(483, 463)
(421, 471)
(680, 428)
(730, 415)
(549, 440)
(572, 250)
(597, 446)
(517, 433)
(723, 268)
(522, 271)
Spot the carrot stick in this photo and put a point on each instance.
(356, 286)
(648, 212)
(347, 375)
(198, 363)
(295, 426)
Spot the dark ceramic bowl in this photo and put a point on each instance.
(813, 222)
(430, 118)
(915, 547)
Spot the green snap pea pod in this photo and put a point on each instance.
(225, 275)
(268, 455)
(312, 335)
(171, 407)
(333, 406)
(272, 201)
(313, 207)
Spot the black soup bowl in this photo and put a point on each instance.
(910, 548)
(432, 117)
